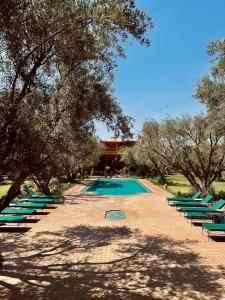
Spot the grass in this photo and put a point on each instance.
(67, 185)
(178, 185)
(4, 187)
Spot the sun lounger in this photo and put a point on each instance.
(37, 200)
(28, 204)
(17, 211)
(213, 228)
(12, 219)
(201, 217)
(32, 194)
(218, 205)
(201, 203)
(196, 195)
(198, 215)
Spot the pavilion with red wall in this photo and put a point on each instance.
(111, 154)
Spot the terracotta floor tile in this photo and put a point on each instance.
(75, 253)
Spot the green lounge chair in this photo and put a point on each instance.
(28, 204)
(36, 200)
(32, 194)
(218, 205)
(17, 211)
(13, 219)
(212, 227)
(202, 203)
(198, 215)
(196, 195)
(46, 200)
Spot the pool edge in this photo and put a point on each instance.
(146, 189)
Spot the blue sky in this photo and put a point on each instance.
(160, 80)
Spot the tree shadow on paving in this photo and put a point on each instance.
(15, 229)
(66, 265)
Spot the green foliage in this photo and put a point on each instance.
(4, 187)
(66, 186)
(193, 146)
(211, 88)
(177, 180)
(179, 185)
(57, 62)
(133, 158)
(130, 155)
(219, 195)
(56, 187)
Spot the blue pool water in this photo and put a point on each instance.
(117, 187)
(115, 215)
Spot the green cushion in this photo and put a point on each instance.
(21, 196)
(39, 200)
(197, 215)
(214, 227)
(194, 203)
(18, 211)
(188, 203)
(198, 209)
(31, 193)
(33, 205)
(46, 196)
(179, 199)
(12, 219)
(44, 200)
(15, 201)
(219, 204)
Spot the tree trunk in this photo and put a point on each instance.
(219, 176)
(192, 181)
(205, 187)
(44, 188)
(82, 173)
(71, 176)
(13, 191)
(162, 178)
(43, 185)
(160, 172)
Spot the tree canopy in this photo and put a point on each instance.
(57, 62)
(211, 88)
(194, 146)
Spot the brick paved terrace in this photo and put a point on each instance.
(73, 252)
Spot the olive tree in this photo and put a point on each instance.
(56, 70)
(87, 157)
(210, 89)
(193, 146)
(138, 159)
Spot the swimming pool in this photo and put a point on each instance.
(116, 187)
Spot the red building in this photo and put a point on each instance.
(111, 154)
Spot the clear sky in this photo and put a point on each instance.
(160, 80)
